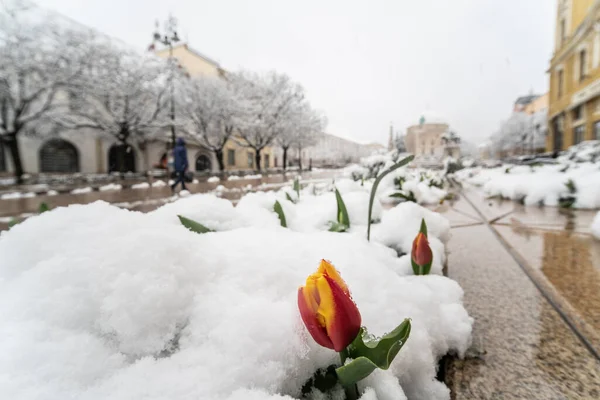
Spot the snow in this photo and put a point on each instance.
(543, 185)
(92, 298)
(81, 190)
(159, 309)
(255, 176)
(596, 226)
(143, 185)
(233, 178)
(10, 196)
(159, 184)
(213, 179)
(51, 193)
(110, 187)
(17, 195)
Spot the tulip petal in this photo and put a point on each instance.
(326, 268)
(309, 317)
(341, 314)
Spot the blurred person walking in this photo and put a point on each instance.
(180, 163)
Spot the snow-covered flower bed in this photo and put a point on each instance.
(98, 302)
(422, 186)
(572, 182)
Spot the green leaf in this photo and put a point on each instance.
(43, 208)
(279, 210)
(423, 228)
(383, 350)
(13, 222)
(342, 212)
(297, 187)
(193, 225)
(355, 371)
(374, 189)
(287, 195)
(337, 227)
(371, 354)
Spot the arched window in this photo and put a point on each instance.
(59, 155)
(203, 163)
(121, 158)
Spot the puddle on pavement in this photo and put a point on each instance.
(570, 262)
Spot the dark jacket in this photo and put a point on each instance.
(180, 161)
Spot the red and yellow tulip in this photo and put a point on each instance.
(327, 309)
(421, 255)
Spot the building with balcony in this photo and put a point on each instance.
(574, 98)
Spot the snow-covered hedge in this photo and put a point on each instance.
(98, 302)
(405, 184)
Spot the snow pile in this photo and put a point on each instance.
(588, 151)
(255, 176)
(98, 302)
(143, 185)
(51, 193)
(110, 187)
(233, 178)
(159, 184)
(540, 185)
(596, 226)
(17, 195)
(83, 190)
(213, 179)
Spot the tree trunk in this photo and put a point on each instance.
(15, 154)
(285, 150)
(257, 160)
(219, 155)
(300, 158)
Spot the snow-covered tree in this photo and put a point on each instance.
(209, 107)
(40, 58)
(311, 125)
(265, 102)
(125, 96)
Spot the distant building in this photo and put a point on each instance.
(574, 99)
(431, 139)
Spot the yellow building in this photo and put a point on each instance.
(235, 157)
(574, 98)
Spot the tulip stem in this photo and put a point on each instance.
(351, 390)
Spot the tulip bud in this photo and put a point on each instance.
(327, 310)
(421, 255)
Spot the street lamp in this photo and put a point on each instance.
(168, 38)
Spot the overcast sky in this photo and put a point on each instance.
(366, 64)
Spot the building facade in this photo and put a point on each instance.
(574, 98)
(428, 140)
(91, 152)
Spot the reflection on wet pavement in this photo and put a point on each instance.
(522, 346)
(152, 197)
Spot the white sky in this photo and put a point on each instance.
(365, 63)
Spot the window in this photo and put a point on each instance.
(266, 160)
(579, 134)
(597, 130)
(558, 133)
(582, 64)
(230, 157)
(250, 159)
(563, 31)
(560, 83)
(577, 113)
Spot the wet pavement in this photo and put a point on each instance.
(153, 197)
(531, 278)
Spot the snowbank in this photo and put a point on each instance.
(159, 184)
(110, 187)
(143, 185)
(233, 178)
(543, 185)
(51, 193)
(17, 195)
(81, 190)
(213, 179)
(596, 226)
(98, 302)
